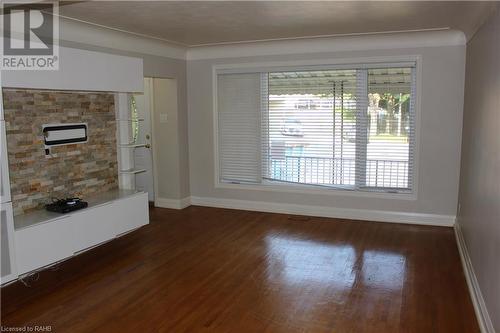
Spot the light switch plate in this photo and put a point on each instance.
(163, 118)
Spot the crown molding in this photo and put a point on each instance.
(364, 42)
(86, 33)
(101, 36)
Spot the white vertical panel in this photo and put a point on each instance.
(83, 70)
(8, 260)
(1, 99)
(4, 166)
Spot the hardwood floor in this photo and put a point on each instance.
(217, 270)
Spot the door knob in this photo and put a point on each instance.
(147, 145)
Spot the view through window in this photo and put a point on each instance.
(347, 128)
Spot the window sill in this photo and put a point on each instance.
(316, 190)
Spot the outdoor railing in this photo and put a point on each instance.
(338, 171)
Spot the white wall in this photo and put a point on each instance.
(479, 215)
(440, 135)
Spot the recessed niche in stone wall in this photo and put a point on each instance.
(71, 170)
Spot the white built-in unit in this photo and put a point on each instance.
(43, 238)
(33, 241)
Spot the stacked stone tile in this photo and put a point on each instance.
(77, 169)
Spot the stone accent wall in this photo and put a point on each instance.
(72, 170)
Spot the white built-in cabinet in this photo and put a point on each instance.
(33, 241)
(96, 226)
(43, 238)
(43, 244)
(130, 214)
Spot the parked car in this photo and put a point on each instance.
(292, 127)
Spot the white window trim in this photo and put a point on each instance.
(315, 64)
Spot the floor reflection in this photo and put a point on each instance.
(297, 262)
(383, 269)
(303, 277)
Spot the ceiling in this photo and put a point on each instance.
(194, 23)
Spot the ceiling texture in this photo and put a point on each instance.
(196, 23)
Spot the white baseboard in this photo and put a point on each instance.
(322, 211)
(483, 317)
(173, 203)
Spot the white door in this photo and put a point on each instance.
(143, 155)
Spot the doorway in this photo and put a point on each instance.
(155, 115)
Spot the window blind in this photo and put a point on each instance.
(239, 113)
(349, 128)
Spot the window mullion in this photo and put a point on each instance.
(361, 126)
(265, 143)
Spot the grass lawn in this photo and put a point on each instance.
(389, 137)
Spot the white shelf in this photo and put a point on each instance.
(43, 216)
(132, 171)
(129, 119)
(132, 145)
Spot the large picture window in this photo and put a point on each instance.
(350, 128)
